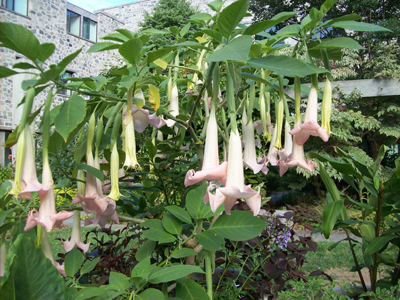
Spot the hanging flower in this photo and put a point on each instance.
(250, 156)
(272, 155)
(103, 217)
(296, 159)
(47, 215)
(310, 125)
(287, 150)
(45, 245)
(211, 169)
(114, 171)
(174, 101)
(76, 239)
(326, 107)
(235, 187)
(26, 180)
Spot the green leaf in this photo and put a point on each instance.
(145, 250)
(286, 66)
(119, 280)
(103, 46)
(340, 42)
(142, 268)
(184, 252)
(156, 232)
(89, 293)
(359, 26)
(66, 60)
(20, 39)
(184, 30)
(239, 226)
(216, 5)
(210, 240)
(167, 274)
(158, 53)
(350, 17)
(377, 243)
(150, 294)
(93, 171)
(231, 16)
(7, 288)
(118, 37)
(36, 277)
(200, 16)
(237, 49)
(171, 223)
(381, 154)
(264, 25)
(326, 6)
(329, 183)
(180, 213)
(368, 231)
(24, 66)
(73, 261)
(45, 51)
(362, 205)
(126, 33)
(6, 72)
(130, 50)
(331, 213)
(154, 31)
(194, 203)
(333, 53)
(89, 265)
(344, 168)
(71, 115)
(214, 34)
(191, 291)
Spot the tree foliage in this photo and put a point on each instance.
(167, 13)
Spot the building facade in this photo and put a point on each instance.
(69, 27)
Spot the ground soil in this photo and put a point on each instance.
(343, 275)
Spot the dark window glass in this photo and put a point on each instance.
(64, 78)
(73, 22)
(89, 30)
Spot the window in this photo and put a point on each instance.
(19, 6)
(73, 22)
(81, 26)
(64, 78)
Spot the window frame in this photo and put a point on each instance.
(83, 17)
(3, 4)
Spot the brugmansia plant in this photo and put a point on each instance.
(148, 132)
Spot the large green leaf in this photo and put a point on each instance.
(180, 213)
(286, 66)
(93, 171)
(340, 42)
(66, 60)
(166, 274)
(73, 261)
(359, 26)
(150, 294)
(329, 183)
(239, 226)
(20, 39)
(142, 268)
(377, 243)
(237, 49)
(171, 223)
(333, 53)
(331, 213)
(183, 252)
(158, 53)
(264, 25)
(6, 72)
(194, 203)
(156, 232)
(89, 293)
(119, 280)
(103, 46)
(71, 115)
(210, 240)
(89, 265)
(350, 17)
(45, 51)
(145, 250)
(191, 291)
(231, 16)
(130, 50)
(35, 276)
(344, 168)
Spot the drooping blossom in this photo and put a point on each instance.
(26, 180)
(287, 149)
(272, 155)
(76, 240)
(250, 155)
(174, 100)
(310, 125)
(326, 107)
(47, 215)
(211, 169)
(45, 245)
(296, 159)
(142, 118)
(103, 217)
(235, 187)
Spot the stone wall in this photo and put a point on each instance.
(47, 20)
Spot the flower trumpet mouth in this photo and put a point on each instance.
(76, 240)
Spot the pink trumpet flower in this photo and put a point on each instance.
(234, 187)
(310, 125)
(142, 118)
(76, 239)
(296, 159)
(211, 169)
(26, 180)
(287, 150)
(47, 252)
(250, 156)
(47, 215)
(103, 217)
(272, 155)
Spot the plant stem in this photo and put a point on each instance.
(356, 262)
(209, 275)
